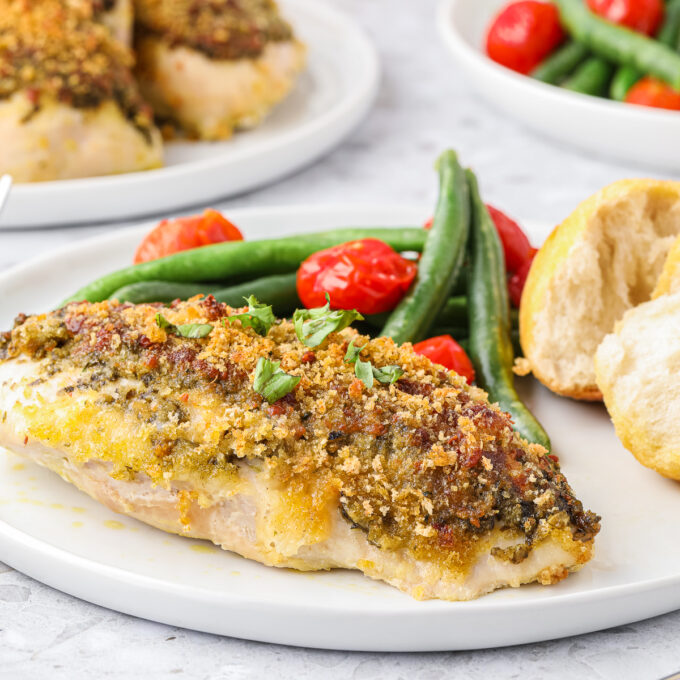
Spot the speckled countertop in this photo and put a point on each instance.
(424, 105)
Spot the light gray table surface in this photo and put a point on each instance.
(423, 106)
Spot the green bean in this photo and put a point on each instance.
(560, 63)
(627, 76)
(670, 28)
(490, 344)
(279, 291)
(453, 313)
(624, 78)
(464, 340)
(592, 77)
(442, 258)
(618, 44)
(455, 332)
(243, 258)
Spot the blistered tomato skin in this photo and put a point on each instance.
(654, 93)
(644, 16)
(523, 34)
(366, 275)
(444, 350)
(184, 233)
(516, 246)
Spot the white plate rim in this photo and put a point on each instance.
(29, 554)
(341, 118)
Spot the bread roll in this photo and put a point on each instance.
(601, 261)
(638, 371)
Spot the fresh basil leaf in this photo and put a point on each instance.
(279, 385)
(364, 371)
(186, 330)
(271, 382)
(193, 330)
(162, 322)
(263, 372)
(313, 326)
(259, 317)
(387, 374)
(352, 353)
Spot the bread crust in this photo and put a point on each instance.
(564, 243)
(669, 281)
(637, 369)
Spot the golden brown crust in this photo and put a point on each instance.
(221, 29)
(425, 464)
(669, 281)
(54, 49)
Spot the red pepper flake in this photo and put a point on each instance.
(277, 409)
(184, 397)
(151, 361)
(308, 357)
(25, 440)
(376, 429)
(471, 458)
(553, 458)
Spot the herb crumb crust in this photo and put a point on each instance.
(425, 464)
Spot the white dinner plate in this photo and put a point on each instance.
(330, 99)
(58, 535)
(636, 134)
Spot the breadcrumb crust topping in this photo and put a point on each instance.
(425, 464)
(56, 50)
(221, 29)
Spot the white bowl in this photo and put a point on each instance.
(624, 131)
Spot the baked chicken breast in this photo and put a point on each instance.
(420, 483)
(214, 66)
(69, 106)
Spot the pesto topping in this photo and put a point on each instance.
(425, 464)
(55, 50)
(221, 29)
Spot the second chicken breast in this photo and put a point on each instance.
(214, 67)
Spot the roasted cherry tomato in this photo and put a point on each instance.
(653, 92)
(519, 278)
(644, 16)
(184, 233)
(366, 275)
(516, 246)
(523, 34)
(446, 351)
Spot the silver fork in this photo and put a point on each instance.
(5, 187)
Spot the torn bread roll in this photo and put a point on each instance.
(601, 261)
(638, 371)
